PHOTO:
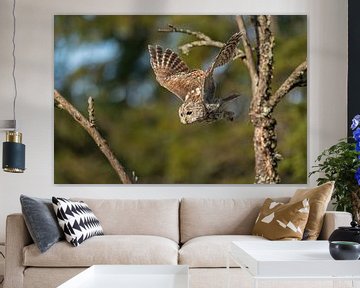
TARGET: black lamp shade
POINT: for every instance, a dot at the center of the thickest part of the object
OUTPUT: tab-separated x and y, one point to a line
13	157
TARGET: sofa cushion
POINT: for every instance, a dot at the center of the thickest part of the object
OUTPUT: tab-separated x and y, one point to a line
319	198
158	217
211	251
200	217
279	221
107	249
41	221
35	277
76	220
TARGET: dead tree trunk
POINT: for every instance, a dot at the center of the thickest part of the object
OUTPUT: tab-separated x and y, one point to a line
265	142
260	113
263	102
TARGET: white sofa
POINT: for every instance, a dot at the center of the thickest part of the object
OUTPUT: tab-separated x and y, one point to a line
194	232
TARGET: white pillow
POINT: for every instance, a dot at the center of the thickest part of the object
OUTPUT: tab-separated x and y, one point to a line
76	220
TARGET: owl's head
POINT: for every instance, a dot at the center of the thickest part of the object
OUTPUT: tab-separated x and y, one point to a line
190	112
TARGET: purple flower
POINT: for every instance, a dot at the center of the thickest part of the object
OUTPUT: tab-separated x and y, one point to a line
355	122
356	134
357	147
357	176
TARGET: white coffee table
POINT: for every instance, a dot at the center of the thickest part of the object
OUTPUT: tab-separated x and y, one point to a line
292	260
131	276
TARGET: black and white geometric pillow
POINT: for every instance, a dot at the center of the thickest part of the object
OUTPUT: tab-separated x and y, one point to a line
77	220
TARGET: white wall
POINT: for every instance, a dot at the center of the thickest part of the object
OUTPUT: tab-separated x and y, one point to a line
327	91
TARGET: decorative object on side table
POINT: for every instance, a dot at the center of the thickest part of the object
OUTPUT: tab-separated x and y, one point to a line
341	163
343	233
344	250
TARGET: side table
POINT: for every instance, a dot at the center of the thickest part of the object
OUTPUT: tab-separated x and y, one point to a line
293	264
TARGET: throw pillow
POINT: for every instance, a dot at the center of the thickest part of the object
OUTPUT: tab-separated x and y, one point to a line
319	198
41	222
279	221
77	220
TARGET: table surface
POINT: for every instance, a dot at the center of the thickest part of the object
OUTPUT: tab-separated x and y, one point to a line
291	259
131	276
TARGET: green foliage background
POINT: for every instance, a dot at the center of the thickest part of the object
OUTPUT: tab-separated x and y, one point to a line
106	57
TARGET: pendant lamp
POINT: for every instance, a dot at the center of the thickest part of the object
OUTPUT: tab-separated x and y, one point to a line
13	155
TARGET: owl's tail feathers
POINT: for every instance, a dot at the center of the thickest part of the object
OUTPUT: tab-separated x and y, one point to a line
227	52
231	97
166	61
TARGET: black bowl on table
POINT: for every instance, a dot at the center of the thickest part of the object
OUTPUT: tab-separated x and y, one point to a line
344	250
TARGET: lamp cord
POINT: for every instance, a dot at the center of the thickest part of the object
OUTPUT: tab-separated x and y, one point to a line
14	59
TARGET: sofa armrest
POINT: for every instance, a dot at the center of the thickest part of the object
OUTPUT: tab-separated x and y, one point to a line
17	237
333	220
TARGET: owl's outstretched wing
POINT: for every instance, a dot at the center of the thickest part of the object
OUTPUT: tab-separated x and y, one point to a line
226	53
224	56
172	73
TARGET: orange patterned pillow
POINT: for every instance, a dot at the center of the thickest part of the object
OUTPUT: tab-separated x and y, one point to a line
279	221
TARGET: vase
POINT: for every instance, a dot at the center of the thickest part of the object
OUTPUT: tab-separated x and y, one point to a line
344	250
345	233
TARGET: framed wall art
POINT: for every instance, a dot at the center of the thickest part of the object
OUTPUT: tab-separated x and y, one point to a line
180	99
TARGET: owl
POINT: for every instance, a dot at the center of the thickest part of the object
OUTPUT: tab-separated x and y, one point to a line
195	88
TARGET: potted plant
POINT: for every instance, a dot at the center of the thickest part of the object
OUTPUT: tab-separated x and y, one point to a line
341	163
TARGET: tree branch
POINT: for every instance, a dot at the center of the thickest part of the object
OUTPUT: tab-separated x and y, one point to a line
197	34
63	104
204	40
248	52
297	78
185	49
91	111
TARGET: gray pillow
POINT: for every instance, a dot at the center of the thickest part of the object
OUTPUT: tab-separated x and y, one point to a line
41	221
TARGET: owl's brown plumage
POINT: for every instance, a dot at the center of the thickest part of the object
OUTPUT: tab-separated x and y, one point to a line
196	88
